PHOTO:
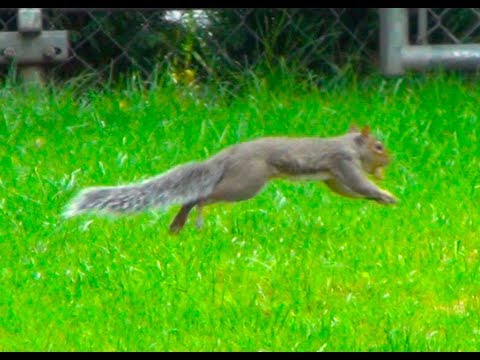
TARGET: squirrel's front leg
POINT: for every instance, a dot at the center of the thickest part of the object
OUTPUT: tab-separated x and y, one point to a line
349	180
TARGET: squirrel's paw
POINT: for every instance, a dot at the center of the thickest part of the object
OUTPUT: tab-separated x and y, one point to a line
387	198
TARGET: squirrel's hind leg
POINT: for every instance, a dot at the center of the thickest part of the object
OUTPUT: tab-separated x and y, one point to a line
199	220
181	218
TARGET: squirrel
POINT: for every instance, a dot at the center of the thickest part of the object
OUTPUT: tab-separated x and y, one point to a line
240	171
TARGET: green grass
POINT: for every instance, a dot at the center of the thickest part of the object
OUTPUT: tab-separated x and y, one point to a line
295	269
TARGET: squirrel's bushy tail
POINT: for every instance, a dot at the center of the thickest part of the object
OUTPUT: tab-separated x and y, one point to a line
182	184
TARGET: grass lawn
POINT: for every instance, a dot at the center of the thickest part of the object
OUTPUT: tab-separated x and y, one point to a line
297	268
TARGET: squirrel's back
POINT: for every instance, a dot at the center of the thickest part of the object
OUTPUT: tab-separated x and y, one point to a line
290	155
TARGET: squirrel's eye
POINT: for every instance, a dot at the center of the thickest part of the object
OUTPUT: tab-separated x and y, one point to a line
378	147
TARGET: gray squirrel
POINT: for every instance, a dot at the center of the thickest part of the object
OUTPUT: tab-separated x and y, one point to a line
240	171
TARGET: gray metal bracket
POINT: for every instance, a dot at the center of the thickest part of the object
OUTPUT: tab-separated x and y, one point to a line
397	55
30	47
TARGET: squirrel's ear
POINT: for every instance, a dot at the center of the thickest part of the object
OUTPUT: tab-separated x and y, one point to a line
353	128
366	130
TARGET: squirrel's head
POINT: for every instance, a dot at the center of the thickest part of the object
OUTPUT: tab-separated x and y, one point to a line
373	154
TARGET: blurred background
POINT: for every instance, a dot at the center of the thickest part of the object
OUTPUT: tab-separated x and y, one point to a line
222	44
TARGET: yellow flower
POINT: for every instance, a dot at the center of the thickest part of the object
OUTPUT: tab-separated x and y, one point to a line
185	77
122	104
189	76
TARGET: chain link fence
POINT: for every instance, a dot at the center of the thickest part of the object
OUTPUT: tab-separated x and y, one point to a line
206	44
196	45
452	26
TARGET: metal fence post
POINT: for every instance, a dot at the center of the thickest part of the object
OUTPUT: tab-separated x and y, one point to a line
422	25
31	48
393	38
29	25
